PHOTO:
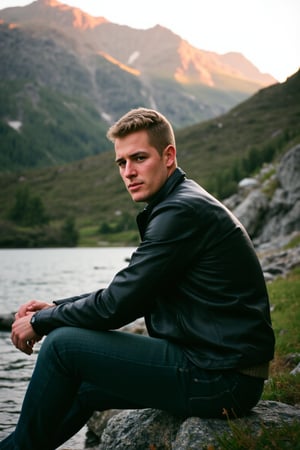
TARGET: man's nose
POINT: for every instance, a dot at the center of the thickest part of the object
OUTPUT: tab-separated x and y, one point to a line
130	170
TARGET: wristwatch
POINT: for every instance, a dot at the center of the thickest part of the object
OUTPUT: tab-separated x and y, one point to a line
33	320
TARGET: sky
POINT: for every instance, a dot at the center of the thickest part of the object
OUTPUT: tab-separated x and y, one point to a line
266	32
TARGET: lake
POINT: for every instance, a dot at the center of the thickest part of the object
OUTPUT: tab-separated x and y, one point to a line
44	274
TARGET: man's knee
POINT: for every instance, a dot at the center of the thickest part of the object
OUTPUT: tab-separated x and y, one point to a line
56	340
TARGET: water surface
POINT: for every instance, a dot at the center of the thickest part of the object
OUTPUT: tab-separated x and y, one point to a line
44	274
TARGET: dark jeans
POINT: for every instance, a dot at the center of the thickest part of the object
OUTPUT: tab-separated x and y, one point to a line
79	371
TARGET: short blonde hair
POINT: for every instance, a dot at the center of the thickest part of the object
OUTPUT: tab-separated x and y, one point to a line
159	130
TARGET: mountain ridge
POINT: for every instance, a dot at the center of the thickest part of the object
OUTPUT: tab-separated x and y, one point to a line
44	11
65	76
37	9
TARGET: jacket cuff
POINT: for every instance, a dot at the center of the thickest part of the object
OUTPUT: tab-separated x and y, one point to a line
41	320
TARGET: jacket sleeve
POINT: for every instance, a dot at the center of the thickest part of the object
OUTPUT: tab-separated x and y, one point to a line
165	250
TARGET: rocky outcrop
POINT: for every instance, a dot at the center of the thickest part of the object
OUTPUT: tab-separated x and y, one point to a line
153	429
269	205
283	215
252	210
269	208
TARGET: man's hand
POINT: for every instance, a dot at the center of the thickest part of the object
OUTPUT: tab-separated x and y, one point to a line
23	335
32	306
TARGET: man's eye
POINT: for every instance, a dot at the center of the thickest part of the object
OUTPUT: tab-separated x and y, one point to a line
140	158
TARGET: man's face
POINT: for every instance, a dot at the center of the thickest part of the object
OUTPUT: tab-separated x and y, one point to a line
143	170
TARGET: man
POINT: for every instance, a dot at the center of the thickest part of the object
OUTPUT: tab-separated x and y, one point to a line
194	277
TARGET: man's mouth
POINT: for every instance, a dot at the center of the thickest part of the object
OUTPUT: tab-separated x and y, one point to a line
134	186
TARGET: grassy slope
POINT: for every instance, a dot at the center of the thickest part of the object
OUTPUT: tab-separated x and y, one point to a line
269	118
59	129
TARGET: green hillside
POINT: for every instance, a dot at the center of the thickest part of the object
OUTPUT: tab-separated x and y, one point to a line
220	152
216	153
51	133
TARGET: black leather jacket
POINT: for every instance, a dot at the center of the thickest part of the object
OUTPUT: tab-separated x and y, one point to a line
195	278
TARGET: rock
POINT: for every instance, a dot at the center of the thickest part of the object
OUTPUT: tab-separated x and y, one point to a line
248	183
288	174
252	211
278	263
153	429
283	215
296	370
98	422
140	429
270	207
6	321
281	220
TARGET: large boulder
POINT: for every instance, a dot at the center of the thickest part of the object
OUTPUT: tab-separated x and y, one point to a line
153	429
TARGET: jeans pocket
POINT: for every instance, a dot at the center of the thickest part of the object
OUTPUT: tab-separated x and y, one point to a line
212	394
207	392
222	394
245	393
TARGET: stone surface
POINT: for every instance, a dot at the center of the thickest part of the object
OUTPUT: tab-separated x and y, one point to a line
270	208
252	211
156	430
140	429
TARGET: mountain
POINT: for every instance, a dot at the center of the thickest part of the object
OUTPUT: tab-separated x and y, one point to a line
65	76
217	153
139	50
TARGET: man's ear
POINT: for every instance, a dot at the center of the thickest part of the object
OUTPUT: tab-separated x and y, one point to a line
170	155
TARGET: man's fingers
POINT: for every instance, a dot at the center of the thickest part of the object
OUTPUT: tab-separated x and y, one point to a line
23	335
23	310
24	346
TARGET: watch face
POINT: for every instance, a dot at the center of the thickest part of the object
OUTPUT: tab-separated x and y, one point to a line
32	320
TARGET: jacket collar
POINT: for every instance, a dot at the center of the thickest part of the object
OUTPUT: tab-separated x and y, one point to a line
177	177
